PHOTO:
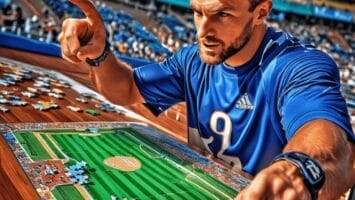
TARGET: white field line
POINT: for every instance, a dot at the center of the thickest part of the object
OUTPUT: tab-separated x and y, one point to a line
182	168
199	186
45	146
144	151
56	146
142	143
84	193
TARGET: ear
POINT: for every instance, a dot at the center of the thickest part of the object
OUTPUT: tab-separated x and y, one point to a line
262	11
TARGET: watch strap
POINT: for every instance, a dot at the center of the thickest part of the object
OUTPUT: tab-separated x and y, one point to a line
96	62
311	170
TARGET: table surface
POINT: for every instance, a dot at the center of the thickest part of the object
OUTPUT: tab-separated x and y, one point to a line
14	183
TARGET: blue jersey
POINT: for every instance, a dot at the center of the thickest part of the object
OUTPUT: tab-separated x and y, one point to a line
245	115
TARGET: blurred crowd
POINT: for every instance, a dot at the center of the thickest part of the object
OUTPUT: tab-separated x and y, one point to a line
174	29
38	26
339	43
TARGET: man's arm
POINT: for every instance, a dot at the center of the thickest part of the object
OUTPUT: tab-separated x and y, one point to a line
114	79
321	140
85	38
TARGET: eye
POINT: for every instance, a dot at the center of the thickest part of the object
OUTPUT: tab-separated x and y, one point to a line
223	14
197	14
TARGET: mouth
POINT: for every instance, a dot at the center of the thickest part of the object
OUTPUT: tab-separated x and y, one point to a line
210	46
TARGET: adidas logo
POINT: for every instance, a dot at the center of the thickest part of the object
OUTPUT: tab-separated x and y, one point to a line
244	102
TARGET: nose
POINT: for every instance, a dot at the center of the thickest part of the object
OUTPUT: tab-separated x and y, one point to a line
205	27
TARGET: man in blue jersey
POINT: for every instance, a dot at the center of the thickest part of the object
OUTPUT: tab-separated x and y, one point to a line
258	99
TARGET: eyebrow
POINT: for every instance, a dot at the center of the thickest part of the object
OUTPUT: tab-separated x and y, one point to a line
214	10
223	8
193	7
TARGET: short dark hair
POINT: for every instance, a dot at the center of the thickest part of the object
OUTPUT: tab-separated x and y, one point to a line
254	4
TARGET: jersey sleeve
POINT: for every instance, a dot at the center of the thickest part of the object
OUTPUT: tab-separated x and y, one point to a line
161	84
311	90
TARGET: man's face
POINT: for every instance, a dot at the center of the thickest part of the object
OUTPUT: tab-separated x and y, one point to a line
224	27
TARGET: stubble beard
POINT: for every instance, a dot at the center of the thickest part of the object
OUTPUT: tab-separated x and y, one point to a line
232	49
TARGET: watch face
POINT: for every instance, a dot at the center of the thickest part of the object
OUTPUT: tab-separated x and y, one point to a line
314	173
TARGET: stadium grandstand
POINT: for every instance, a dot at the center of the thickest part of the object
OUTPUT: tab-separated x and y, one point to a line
144	31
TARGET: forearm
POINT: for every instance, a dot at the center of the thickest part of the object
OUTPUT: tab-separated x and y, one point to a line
114	80
83	39
326	143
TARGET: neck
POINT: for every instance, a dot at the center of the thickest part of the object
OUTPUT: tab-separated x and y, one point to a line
249	50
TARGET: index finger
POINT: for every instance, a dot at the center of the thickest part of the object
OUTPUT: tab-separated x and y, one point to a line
88	9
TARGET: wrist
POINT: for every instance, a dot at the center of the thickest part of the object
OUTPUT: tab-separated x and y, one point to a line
289	168
96	62
309	169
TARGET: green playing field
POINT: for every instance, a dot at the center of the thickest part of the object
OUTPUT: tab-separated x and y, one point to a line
161	175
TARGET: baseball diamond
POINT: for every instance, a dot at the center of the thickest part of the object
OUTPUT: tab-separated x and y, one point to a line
123	163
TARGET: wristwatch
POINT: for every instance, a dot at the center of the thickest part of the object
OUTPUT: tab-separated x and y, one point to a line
96	62
312	172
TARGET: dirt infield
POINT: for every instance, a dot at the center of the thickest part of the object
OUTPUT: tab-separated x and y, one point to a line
123	163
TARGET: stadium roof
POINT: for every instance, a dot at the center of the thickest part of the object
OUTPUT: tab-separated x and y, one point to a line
279	4
335	11
181	3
